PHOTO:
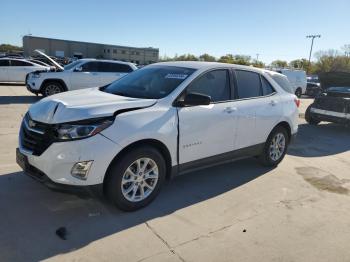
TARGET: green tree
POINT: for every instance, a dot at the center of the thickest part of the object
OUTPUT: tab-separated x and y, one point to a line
187	57
279	63
227	59
242	60
258	64
331	61
7	48
299	63
207	58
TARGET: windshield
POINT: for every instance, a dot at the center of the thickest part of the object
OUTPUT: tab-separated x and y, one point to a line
150	82
71	65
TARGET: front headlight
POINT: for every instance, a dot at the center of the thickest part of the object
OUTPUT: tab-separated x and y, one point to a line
35	75
79	131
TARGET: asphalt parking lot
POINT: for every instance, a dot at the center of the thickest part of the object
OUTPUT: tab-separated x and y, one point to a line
240	211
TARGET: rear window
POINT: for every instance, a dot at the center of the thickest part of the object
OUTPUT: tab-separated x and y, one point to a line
283	82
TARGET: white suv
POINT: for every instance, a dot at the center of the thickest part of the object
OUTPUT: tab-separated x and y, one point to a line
157	122
83	73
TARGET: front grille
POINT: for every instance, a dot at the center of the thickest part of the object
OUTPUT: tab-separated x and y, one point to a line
36	136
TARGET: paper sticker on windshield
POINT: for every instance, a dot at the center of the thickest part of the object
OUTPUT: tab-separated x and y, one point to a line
176	76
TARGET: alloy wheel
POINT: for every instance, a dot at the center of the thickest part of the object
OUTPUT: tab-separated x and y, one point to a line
52	89
139	179
277	146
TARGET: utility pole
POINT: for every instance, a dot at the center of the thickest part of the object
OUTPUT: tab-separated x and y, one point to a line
257	57
312	44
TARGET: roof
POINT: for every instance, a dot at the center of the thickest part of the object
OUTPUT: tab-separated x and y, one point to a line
207	65
104	60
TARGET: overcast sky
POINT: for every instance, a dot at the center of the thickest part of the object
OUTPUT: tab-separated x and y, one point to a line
273	29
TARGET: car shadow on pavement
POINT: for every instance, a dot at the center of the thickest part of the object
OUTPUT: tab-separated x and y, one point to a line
31	213
5	100
320	140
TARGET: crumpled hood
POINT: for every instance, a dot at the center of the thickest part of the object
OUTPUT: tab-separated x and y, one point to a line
83	104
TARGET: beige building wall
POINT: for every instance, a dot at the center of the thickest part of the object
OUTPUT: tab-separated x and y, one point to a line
66	48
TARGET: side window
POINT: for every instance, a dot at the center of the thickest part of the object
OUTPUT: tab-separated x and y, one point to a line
248	84
114	67
266	87
20	63
4	62
122	68
215	84
90	67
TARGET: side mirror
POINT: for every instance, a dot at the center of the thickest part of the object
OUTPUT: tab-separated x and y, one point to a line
195	99
78	69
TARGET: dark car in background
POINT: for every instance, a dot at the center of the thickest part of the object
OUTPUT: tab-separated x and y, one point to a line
313	89
333	105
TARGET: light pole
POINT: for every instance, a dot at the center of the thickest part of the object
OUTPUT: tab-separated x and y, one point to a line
312	44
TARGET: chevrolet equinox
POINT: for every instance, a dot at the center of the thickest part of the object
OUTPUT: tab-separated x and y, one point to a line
154	123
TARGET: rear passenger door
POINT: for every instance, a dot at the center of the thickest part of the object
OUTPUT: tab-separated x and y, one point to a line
258	108
111	71
4	66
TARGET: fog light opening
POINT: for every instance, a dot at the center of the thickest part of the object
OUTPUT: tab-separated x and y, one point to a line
80	170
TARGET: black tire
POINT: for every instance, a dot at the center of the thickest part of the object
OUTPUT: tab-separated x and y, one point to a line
113	183
298	92
265	157
309	118
51	88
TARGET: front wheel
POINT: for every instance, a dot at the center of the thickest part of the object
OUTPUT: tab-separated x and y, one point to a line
136	179
51	88
275	147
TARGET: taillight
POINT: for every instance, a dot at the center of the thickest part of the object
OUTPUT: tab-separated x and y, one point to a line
297	102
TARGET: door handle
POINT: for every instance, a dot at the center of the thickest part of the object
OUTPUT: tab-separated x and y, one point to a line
229	109
273	102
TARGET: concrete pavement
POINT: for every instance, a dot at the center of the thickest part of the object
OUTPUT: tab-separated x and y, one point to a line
240	211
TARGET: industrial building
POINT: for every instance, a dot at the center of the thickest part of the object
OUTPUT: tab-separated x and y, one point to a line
68	48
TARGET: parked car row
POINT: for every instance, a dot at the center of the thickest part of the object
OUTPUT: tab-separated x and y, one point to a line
41	78
165	119
14	70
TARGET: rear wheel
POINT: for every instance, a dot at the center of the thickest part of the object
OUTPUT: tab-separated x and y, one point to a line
136	179
309	118
52	88
275	147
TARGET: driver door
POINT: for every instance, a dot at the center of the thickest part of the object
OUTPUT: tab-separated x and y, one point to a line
206	131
